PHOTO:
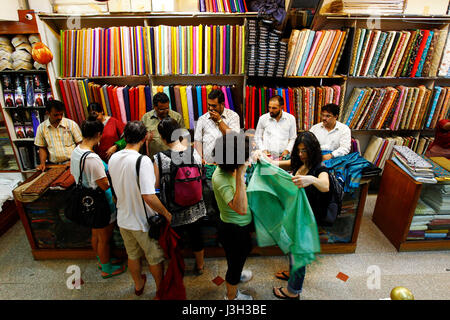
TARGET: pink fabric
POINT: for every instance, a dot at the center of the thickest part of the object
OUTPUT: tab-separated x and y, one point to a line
123	113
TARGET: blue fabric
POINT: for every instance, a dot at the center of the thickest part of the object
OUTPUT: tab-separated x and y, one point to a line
348	168
324	152
108	193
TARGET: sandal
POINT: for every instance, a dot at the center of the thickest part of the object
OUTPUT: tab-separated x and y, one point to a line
141	291
283	295
114	261
282	275
118	270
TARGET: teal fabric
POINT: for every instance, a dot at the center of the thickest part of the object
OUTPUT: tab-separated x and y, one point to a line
109	195
282	214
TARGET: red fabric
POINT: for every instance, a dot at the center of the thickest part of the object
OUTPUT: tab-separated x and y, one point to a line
111	133
442	137
172	286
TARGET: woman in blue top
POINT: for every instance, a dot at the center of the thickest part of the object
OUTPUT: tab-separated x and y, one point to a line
94	176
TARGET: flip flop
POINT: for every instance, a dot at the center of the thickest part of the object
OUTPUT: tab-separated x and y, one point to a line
282	275
284	296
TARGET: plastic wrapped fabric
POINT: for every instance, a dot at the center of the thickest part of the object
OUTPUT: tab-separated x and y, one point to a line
282	214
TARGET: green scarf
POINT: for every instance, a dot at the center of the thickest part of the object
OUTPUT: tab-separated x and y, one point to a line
282	214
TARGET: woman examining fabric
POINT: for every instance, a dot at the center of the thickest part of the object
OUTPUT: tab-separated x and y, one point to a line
235	223
183	218
112	132
94	176
310	174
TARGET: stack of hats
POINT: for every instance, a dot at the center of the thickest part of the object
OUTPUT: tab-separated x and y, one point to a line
6	49
21	57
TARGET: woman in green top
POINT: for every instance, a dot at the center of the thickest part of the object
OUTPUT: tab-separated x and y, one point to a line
235	219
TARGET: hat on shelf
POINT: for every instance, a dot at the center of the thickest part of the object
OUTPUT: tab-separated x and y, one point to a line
33	38
6	48
38	66
19	39
21	55
24	46
5	64
20	64
4	41
5	55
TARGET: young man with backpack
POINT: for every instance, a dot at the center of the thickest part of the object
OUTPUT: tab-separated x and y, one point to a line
136	200
178	172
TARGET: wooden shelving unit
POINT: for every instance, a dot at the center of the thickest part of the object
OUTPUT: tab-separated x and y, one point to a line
395	207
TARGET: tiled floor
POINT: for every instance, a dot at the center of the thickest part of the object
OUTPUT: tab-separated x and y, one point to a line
426	274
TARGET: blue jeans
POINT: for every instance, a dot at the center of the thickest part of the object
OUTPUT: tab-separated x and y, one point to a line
296	278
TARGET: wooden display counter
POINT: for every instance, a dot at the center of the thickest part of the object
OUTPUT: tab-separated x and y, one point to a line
395	207
52	236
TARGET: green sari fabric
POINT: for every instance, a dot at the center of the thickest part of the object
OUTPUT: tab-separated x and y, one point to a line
282	214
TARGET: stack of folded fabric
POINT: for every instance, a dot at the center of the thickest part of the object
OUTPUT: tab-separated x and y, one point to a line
6	49
437	197
40	185
21	57
414	165
64	181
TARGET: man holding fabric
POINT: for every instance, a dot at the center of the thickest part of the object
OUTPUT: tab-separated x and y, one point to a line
276	130
213	125
151	119
335	137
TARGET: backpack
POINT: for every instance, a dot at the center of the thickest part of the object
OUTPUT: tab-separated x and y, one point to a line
182	183
335	205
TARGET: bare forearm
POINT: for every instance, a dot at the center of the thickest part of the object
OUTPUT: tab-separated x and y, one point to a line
240	197
154	203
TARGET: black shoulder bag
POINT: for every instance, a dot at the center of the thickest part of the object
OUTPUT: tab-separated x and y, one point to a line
156	221
87	206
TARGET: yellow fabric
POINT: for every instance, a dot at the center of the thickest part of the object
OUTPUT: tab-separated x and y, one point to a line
184	106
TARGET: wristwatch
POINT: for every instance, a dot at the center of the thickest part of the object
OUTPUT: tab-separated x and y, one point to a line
218	122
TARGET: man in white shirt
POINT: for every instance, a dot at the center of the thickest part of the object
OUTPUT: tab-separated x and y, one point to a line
131	214
334	137
213	125
276	130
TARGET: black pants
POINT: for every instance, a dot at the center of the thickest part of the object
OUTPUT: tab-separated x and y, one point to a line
237	244
194	233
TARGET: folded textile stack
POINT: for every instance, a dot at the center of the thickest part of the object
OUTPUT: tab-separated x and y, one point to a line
63	182
267	53
440	173
431	219
6	49
414	165
41	185
437	197
7	185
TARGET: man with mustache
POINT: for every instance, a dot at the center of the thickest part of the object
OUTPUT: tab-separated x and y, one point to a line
276	130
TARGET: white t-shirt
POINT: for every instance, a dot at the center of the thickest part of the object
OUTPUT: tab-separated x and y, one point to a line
93	167
130	209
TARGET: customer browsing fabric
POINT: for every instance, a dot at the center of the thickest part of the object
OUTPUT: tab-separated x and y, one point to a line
231	153
111	133
334	137
94	176
309	174
170	165
131	199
